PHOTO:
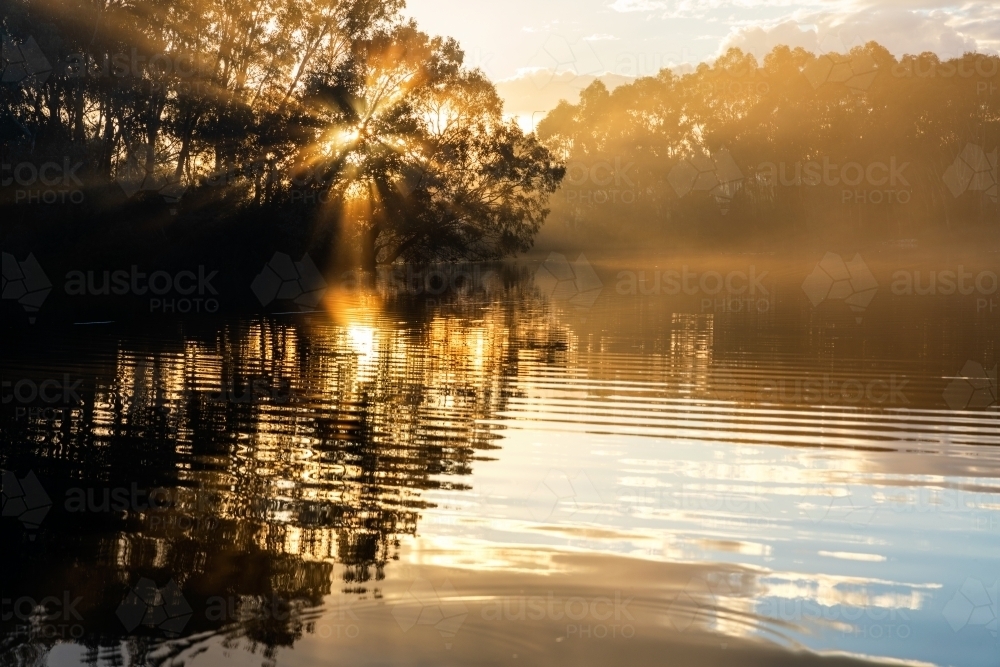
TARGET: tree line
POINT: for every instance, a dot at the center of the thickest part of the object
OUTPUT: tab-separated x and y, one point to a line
796	144
337	117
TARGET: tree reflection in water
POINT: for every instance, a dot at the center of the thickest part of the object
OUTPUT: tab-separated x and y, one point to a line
260	464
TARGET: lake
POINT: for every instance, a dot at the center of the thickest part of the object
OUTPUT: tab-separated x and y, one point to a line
711	460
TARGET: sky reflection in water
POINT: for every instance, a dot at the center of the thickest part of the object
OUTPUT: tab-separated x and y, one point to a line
536	472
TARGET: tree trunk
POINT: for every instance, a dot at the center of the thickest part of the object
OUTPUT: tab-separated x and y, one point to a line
108	142
79	134
369	259
182	158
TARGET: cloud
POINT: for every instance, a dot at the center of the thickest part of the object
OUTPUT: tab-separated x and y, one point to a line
601	38
625	6
541	88
947	27
899	30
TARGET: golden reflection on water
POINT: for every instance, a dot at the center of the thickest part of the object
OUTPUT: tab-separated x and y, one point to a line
497	445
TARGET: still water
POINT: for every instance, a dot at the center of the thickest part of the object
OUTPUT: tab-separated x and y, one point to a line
558	462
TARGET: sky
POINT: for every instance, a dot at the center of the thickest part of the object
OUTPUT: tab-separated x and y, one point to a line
540	51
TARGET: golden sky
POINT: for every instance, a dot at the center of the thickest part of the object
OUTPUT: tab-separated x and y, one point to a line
544	50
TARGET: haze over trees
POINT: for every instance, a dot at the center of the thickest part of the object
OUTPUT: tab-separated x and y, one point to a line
798	144
341	126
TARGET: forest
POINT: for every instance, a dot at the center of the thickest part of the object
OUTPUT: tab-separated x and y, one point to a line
330	123
798	146
338	127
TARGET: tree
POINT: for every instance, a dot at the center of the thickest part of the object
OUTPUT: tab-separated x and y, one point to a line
865	108
417	157
238	100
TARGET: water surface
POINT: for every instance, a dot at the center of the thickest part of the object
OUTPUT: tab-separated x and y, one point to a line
555	464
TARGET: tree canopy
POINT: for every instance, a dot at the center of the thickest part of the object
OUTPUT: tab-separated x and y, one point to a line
338	110
740	147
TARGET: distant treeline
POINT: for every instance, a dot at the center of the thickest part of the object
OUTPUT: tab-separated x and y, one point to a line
798	145
319	121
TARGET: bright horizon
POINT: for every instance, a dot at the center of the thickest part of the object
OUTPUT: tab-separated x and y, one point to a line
539	53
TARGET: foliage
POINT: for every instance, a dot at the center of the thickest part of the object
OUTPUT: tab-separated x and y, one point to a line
792	109
336	109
